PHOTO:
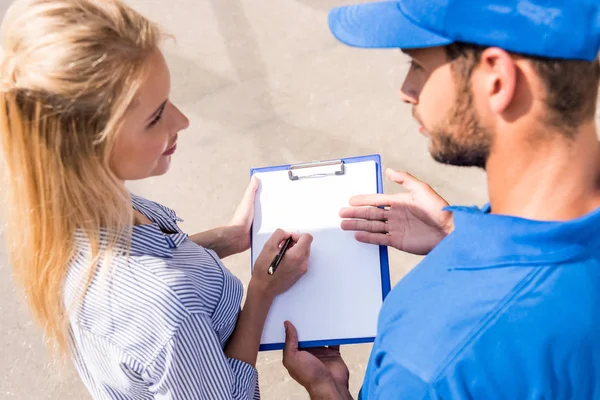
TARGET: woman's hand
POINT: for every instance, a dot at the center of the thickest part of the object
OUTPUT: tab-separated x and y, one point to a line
244	343
414	222
242	219
293	266
235	237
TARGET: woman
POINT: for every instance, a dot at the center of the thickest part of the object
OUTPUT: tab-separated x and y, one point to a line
145	311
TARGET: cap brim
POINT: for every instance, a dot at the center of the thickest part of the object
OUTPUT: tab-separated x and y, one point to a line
380	25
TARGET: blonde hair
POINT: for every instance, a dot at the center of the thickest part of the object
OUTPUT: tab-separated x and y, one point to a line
69	70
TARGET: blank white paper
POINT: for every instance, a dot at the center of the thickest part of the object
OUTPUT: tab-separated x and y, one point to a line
341	294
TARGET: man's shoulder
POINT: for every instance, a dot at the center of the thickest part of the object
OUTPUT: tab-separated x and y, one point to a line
448	325
433	312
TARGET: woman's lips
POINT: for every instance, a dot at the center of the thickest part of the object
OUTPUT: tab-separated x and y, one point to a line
170	150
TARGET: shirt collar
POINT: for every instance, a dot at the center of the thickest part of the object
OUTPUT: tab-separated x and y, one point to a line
150	239
483	239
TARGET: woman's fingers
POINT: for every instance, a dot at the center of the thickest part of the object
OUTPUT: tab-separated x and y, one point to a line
244	213
277	239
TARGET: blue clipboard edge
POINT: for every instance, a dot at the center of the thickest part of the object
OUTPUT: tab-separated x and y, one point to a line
317	343
383	256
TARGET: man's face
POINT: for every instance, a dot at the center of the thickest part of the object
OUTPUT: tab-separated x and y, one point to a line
443	105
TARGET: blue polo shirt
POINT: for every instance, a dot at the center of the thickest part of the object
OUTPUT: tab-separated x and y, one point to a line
502	308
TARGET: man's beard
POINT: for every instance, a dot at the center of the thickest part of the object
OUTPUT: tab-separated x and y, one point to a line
460	139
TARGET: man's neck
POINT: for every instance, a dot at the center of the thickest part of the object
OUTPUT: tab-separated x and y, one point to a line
554	179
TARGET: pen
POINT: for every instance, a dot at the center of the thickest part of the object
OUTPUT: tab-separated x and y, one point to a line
278	257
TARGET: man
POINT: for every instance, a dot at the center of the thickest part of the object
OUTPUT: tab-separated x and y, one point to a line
507	305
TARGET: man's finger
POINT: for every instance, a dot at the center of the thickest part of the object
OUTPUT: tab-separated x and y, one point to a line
375	200
321	352
291	339
380	239
370	213
405	179
366	226
381	200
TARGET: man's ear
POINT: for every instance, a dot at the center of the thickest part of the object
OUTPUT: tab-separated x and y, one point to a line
499	78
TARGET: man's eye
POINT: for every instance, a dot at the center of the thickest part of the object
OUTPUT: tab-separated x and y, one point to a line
415	66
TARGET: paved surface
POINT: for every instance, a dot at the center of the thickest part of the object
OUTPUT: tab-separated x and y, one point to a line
263	82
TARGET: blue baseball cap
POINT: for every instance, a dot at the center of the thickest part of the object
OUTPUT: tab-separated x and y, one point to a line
567	29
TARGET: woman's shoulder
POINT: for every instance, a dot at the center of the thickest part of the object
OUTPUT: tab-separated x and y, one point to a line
151	291
141	203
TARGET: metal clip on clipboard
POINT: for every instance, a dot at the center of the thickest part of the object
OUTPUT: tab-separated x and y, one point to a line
317	169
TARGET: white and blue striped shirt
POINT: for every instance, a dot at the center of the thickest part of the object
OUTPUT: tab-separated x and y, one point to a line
155	325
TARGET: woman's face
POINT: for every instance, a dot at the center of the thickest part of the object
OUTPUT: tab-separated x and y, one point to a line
148	135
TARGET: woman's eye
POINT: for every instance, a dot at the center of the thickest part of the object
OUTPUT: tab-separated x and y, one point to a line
155	120
158	116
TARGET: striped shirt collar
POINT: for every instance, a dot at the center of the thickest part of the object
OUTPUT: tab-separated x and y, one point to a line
161	236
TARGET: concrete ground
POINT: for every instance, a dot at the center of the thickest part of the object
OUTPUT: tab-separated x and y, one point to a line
262	82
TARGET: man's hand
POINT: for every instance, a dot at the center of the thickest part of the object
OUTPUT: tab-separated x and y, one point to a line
235	237
413	222
320	370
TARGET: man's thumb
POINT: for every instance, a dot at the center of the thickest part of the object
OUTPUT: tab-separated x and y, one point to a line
291	337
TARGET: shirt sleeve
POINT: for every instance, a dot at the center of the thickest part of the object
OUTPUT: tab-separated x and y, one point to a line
392	380
193	366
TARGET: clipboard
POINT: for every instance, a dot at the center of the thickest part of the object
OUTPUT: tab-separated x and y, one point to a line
306	198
